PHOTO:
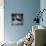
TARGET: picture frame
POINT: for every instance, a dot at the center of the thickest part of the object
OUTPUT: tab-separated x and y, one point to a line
17	18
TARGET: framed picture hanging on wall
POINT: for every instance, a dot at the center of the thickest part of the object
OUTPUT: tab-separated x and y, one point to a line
17	18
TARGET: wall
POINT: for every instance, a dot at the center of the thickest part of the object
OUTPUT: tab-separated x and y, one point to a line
1	20
43	6
28	8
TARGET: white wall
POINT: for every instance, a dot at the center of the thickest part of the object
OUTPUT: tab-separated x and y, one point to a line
1	20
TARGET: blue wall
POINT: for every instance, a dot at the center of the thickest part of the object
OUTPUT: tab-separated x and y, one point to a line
43	6
28	8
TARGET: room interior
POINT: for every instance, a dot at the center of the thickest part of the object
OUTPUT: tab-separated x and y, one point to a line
22	23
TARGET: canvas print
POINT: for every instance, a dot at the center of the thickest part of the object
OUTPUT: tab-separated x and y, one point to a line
17	18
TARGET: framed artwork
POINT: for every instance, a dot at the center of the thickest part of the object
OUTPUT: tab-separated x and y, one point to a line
17	18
